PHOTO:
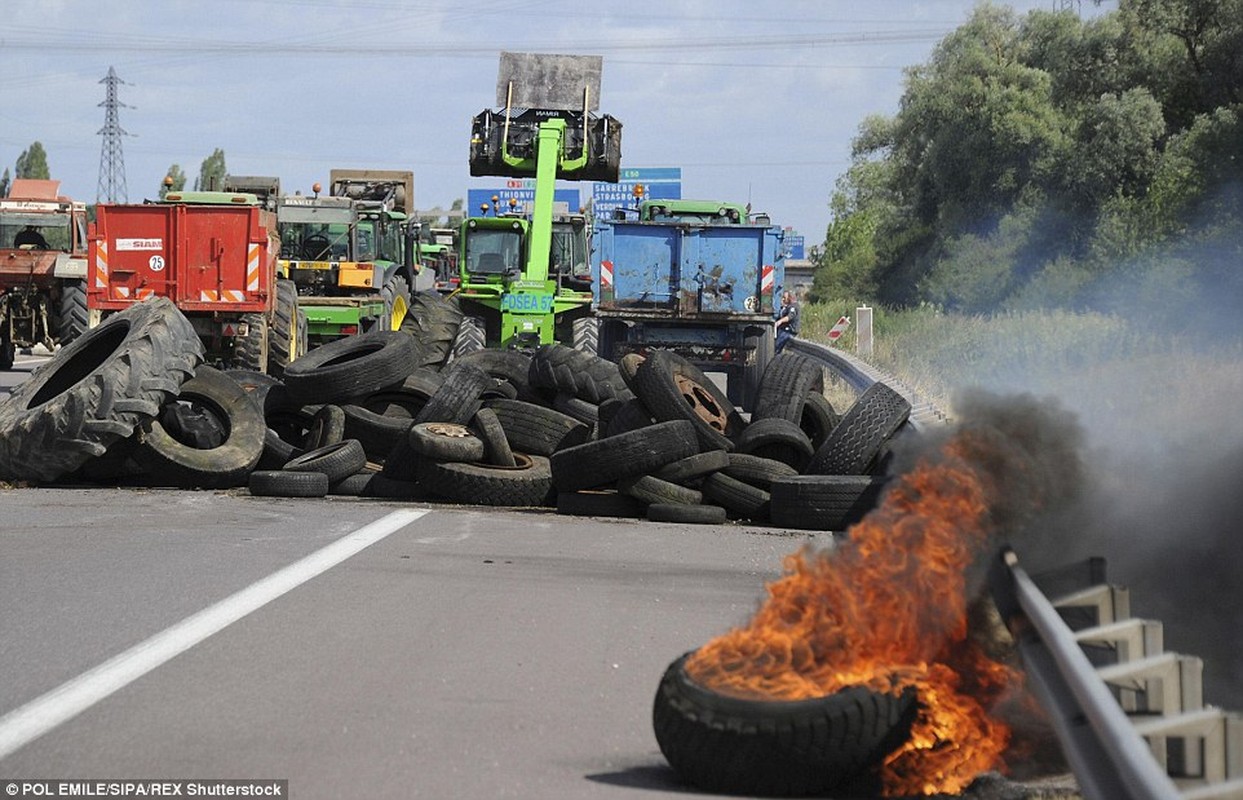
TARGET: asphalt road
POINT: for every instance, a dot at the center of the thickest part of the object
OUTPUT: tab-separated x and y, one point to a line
466	653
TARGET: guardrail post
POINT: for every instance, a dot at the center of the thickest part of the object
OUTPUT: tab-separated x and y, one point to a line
863	334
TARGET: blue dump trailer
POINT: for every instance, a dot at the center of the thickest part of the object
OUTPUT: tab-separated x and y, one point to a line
703	285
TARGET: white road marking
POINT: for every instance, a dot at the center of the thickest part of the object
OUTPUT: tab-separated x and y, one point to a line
27	723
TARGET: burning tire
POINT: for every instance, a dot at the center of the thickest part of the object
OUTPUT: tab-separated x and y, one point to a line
673	388
773	747
172	456
350	367
96	391
852	447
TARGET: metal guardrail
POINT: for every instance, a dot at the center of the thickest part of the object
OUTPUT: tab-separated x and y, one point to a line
1135	729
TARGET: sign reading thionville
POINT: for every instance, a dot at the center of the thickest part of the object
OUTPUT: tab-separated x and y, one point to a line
659	183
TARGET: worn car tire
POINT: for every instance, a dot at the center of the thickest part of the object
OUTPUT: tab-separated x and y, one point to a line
335	460
757	470
96	391
823	502
776	438
649	490
527	484
694	467
601	462
536	429
282	483
445	441
818	418
599	503
691	514
375	432
784	387
351	367
496	450
855	442
720	743
741	500
457	399
173	459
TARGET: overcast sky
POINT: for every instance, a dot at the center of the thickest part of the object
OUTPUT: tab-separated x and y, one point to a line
754	101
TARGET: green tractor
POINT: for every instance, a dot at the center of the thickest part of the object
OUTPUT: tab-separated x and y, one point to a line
525	277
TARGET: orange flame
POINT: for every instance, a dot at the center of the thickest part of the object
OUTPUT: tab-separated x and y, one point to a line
887	610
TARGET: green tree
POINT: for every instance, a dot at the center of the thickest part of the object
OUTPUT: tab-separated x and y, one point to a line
212	172
32	163
5	180
174	180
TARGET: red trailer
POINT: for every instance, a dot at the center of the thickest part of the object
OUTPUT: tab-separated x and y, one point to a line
214	255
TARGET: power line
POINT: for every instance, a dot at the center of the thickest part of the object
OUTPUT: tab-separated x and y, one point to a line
111	158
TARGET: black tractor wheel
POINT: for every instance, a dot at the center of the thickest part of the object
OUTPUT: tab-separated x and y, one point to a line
96	391
470	337
251	351
559	368
283	335
396	295
432	322
776	748
72	318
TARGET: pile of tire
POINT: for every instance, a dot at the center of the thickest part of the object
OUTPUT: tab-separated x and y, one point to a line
414	414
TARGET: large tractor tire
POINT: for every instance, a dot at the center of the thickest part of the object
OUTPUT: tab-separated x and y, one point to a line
72	318
396	294
96	391
251	351
283	334
433	322
470	337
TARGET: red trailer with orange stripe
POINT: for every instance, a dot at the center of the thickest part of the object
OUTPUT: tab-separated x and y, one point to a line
214	255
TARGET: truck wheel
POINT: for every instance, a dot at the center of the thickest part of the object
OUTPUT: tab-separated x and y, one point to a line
469	339
72	317
585	335
396	294
527	484
673	388
251	351
283	339
788	748
173	457
96	391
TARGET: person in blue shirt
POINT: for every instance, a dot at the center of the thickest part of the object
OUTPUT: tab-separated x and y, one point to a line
787	320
